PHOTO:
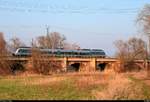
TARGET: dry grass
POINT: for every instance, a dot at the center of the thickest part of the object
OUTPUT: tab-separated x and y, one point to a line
120	87
93	85
139	75
89	81
44	81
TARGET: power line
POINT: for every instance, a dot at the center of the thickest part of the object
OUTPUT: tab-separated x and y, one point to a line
56	27
35	7
50	4
69	11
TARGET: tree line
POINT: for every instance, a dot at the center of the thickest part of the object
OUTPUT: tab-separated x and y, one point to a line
53	40
127	51
136	48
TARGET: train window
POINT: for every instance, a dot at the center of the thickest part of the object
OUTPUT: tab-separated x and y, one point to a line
98	53
20	51
24	51
69	53
74	53
55	52
49	52
62	53
84	53
93	53
44	52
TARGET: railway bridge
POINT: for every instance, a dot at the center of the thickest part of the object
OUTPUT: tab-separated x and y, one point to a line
80	63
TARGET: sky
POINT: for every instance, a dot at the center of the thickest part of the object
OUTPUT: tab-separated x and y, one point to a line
89	23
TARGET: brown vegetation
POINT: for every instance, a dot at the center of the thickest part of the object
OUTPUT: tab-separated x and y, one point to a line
15	43
55	40
90	81
70	46
4	65
144	20
52	40
128	51
43	64
40	63
120	87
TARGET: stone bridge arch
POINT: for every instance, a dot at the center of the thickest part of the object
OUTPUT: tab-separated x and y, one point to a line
18	66
79	66
74	66
102	66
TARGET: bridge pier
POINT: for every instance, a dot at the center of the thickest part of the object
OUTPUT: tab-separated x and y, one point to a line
92	64
65	63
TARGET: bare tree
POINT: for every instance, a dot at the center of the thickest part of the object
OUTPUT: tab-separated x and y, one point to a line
15	42
144	20
122	52
128	51
2	44
4	64
70	46
42	64
42	41
33	43
75	46
53	40
137	48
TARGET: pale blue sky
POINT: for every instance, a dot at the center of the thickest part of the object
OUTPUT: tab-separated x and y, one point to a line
89	23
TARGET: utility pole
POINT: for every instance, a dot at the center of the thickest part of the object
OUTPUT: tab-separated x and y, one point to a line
47	35
47	30
32	43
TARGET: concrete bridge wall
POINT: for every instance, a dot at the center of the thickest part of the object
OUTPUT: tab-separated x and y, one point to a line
84	64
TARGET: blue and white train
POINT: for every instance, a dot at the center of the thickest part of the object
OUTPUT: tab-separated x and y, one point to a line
27	51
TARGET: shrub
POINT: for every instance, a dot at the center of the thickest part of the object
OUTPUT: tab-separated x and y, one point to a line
42	64
5	66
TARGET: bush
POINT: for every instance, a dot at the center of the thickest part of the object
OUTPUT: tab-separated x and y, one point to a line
5	66
42	64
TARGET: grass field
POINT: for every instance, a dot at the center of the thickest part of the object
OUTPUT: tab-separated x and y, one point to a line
73	86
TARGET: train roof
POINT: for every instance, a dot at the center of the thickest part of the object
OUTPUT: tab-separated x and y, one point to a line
64	50
85	49
92	49
97	49
23	47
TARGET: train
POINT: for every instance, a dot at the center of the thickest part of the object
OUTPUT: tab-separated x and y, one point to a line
27	51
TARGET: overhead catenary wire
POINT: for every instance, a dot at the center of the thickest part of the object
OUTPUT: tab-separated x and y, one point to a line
96	11
51	7
68	29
